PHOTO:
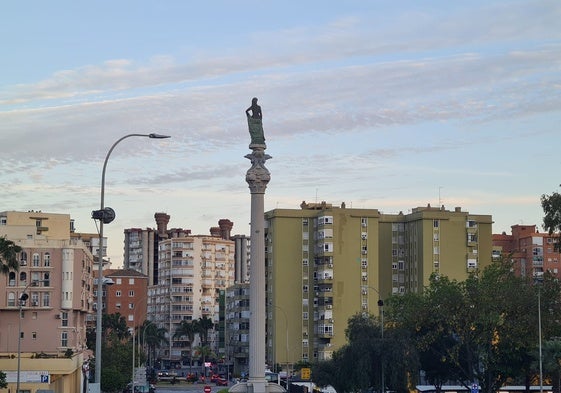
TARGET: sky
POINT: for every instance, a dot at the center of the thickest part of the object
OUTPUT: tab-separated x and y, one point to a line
388	105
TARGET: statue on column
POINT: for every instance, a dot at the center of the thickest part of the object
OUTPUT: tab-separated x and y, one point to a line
255	123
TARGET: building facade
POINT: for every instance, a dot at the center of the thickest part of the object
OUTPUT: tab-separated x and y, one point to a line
531	252
127	295
49	325
325	264
236	316
192	271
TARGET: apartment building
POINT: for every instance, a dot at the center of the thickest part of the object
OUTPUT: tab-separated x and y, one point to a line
532	252
44	305
127	295
325	264
192	270
236	315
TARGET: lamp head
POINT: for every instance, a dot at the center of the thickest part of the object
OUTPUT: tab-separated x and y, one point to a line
158	136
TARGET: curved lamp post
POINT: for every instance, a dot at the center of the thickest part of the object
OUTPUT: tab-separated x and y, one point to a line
23	297
105	216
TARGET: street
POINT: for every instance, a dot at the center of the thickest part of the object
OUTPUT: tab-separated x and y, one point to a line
195	388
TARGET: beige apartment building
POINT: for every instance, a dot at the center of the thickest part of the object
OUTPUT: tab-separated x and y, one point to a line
48	338
326	263
192	270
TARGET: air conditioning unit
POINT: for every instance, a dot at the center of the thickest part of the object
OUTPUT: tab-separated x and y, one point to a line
364	292
34	304
364	278
305	334
57	316
330	265
329	306
330	320
363	236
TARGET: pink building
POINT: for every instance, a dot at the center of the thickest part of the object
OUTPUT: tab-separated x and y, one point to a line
55	279
532	252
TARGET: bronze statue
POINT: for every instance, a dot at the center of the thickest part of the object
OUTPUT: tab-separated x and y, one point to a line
255	123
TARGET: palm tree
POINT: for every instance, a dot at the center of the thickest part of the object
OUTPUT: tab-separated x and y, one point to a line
204	351
153	336
8	255
204	324
187	329
115	324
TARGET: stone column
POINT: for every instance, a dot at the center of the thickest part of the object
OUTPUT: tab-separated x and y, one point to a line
257	177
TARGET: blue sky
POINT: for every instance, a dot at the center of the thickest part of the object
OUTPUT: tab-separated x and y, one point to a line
378	104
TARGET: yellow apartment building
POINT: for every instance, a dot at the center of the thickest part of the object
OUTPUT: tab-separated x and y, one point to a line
326	263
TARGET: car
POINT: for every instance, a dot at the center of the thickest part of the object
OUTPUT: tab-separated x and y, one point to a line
221	381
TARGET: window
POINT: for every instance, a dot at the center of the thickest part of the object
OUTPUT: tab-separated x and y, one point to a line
47	259
46	299
64	339
12	279
118	293
64	318
305	315
435	223
36	260
131	306
11	299
118	281
34	335
131	293
3	220
131	281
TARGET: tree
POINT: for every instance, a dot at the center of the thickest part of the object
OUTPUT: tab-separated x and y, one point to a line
552	361
3	383
115	324
8	255
204	352
204	324
551	205
153	336
187	329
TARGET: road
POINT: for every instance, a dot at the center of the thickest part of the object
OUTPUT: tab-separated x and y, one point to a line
195	388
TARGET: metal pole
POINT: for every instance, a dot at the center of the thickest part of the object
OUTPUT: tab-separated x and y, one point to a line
22	299
100	256
540	337
19	345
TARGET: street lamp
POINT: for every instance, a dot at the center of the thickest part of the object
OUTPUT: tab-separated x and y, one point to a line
105	216
540	334
23	297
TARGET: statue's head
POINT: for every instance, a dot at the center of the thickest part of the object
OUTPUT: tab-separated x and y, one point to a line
254	101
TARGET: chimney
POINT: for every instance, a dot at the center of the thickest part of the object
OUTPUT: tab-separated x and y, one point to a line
215	231
162	220
225	228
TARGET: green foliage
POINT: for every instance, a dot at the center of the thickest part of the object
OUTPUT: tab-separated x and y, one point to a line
202	326
483	329
3	383
551	205
8	256
116	360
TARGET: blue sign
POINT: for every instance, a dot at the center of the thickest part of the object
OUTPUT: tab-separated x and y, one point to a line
44	378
